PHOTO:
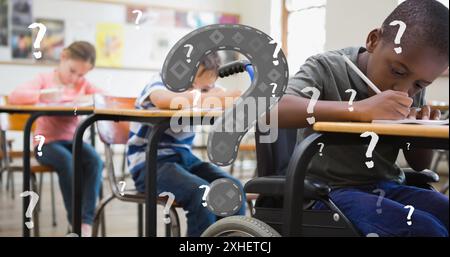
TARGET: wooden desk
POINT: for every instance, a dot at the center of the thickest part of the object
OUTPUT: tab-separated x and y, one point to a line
44	108
161	122
347	133
409	130
157	113
35	112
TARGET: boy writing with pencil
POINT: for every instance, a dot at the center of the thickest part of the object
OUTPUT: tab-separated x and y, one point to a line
397	83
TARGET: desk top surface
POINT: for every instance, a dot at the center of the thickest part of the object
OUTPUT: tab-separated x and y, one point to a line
409	130
159	113
36	108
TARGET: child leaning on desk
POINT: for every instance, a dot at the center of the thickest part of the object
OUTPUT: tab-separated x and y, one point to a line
179	170
65	84
402	79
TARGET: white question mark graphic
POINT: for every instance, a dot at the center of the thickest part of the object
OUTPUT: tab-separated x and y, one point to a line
122	187
321	147
372	144
34	198
39	37
138	17
380	198
352	97
398	37
274	88
205	194
197	95
169	202
276	51
408	144
411	210
188	55
41	143
312	103
75	111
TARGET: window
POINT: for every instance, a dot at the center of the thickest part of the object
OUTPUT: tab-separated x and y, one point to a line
305	30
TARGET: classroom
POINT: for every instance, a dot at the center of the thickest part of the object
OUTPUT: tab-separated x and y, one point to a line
224	118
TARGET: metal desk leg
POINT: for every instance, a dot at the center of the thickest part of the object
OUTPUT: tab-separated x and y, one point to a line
27	168
77	177
151	158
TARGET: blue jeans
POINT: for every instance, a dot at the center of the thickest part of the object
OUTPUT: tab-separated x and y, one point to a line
182	174
58	155
359	204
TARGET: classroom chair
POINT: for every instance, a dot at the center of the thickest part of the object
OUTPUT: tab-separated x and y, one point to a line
116	134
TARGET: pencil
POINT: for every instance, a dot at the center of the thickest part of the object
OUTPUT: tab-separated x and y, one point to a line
361	75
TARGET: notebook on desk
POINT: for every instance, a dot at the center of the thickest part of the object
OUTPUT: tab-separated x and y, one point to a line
412	121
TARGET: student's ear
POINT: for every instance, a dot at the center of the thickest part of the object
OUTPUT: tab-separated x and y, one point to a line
373	39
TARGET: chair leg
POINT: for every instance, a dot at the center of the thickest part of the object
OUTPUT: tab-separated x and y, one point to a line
98	213
41	178
175	228
103	220
241	165
11	183
232	168
251	208
444	189
2	170
436	161
168	226
13	193
35	213
52	195
140	220
124	163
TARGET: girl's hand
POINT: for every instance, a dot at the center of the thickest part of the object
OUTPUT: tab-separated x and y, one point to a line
424	113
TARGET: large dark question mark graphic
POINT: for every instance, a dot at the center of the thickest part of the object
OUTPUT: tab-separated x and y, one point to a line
268	86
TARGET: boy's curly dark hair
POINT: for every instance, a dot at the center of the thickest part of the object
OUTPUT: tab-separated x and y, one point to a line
427	24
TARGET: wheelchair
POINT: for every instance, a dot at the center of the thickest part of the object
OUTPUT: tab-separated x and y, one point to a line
284	205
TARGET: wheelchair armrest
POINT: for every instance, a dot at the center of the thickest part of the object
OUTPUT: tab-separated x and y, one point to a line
319	188
414	178
275	185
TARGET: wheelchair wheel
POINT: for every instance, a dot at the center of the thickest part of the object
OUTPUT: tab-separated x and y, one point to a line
240	226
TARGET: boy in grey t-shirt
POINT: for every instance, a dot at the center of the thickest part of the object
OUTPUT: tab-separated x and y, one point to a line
402	78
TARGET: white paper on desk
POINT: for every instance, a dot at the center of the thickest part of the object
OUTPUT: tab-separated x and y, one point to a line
69	104
412	121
